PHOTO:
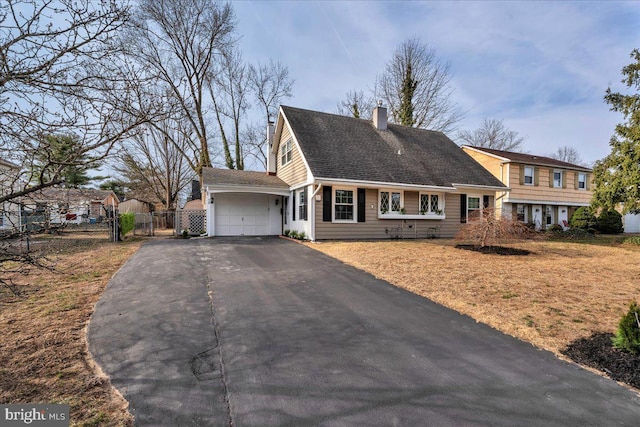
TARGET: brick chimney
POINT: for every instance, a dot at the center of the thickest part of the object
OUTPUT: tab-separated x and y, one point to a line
380	117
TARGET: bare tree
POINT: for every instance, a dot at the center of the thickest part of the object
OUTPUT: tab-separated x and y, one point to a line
493	134
152	167
356	104
270	84
416	88
62	76
569	155
229	81
179	43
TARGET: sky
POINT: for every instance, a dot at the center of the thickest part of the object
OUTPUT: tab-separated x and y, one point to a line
541	67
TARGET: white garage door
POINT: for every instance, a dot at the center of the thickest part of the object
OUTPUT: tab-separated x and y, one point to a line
242	215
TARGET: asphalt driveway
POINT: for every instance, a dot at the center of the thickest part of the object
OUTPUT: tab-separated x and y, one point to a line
266	332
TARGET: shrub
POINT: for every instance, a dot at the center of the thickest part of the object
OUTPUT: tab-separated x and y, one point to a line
302	235
127	222
555	229
293	234
583	218
610	222
575	234
492	229
634	240
628	334
286	233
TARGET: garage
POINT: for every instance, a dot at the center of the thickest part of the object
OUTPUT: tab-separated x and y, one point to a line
243	203
242	215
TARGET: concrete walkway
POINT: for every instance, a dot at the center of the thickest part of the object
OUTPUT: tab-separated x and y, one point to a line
266	332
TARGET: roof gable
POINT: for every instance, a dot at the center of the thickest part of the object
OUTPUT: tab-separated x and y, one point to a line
529	159
346	148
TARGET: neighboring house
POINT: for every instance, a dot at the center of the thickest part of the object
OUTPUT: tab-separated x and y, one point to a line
72	204
337	177
9	182
544	191
195	204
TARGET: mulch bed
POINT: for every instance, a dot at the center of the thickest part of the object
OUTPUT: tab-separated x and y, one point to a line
598	352
496	250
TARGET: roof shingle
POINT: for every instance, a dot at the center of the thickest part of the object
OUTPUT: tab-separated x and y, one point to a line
214	176
531	159
346	148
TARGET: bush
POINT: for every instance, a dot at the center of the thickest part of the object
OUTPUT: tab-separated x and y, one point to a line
628	334
575	234
610	222
583	218
302	235
127	222
286	233
293	234
555	229
634	240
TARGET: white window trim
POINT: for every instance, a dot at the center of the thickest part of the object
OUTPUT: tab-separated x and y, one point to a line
384	190
533	175
555	171
526	212
584	181
355	205
480	207
286	151
301	203
440	203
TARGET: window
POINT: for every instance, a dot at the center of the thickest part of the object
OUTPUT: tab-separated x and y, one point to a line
548	215
285	152
473	207
528	175
557	179
390	202
582	181
302	205
430	204
521	213
343	206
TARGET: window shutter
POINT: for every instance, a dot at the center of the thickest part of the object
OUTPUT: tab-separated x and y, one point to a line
575	180
306	203
521	174
536	176
551	178
362	207
587	183
463	208
294	207
564	179
327	193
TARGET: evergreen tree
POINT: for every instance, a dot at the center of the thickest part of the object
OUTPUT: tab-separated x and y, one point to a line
58	156
617	176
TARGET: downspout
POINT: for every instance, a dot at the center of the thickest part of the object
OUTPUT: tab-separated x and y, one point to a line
313	213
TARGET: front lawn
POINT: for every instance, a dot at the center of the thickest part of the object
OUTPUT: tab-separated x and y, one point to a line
559	293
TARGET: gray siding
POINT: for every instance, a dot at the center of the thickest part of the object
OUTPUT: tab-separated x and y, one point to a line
374	228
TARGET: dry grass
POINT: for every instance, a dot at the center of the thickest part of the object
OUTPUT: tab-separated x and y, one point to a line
561	292
43	351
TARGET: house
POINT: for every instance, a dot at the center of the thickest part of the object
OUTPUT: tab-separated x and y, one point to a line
544	191
336	177
74	205
9	182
